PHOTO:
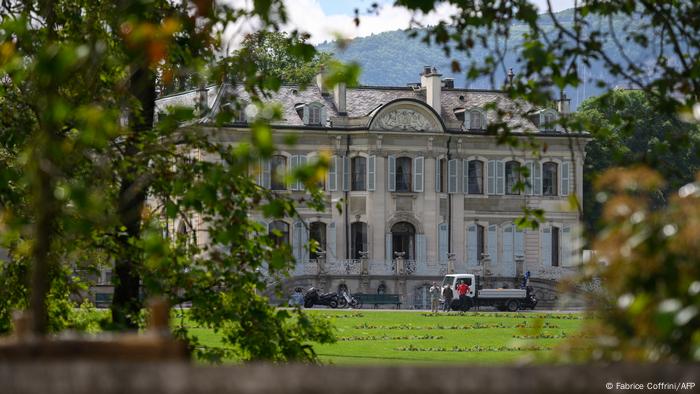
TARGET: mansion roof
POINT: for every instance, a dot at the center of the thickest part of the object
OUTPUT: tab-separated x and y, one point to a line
362	104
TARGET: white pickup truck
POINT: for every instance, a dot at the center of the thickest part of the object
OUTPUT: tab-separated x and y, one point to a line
502	299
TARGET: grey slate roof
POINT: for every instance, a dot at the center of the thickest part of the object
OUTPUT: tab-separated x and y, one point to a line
361	101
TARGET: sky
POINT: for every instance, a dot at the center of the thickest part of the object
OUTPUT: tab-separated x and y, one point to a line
325	20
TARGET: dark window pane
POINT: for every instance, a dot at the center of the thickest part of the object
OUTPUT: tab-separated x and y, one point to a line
555	246
279	168
359	173
476	177
403	240
512	176
549	179
403	174
317	232
281	236
358	239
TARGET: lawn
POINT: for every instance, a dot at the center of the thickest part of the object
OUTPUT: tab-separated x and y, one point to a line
395	337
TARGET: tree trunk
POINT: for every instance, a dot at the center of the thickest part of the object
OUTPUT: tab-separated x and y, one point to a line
127	303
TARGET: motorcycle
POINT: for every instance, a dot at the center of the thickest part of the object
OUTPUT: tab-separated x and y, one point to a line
347	300
312	297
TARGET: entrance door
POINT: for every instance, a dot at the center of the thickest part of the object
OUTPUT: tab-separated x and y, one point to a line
403	236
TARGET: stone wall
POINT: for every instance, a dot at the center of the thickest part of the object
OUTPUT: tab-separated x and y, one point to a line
82	377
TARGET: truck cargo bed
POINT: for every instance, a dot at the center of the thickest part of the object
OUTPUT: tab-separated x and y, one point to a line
502	293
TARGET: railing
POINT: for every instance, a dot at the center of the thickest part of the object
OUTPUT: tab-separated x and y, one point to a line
344	267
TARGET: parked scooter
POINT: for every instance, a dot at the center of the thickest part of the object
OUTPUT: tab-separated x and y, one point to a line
347	300
313	297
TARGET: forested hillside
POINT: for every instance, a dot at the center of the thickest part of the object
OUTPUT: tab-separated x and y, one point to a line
394	58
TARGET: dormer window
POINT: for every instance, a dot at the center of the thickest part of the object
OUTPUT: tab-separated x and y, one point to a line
475	119
548	120
314	114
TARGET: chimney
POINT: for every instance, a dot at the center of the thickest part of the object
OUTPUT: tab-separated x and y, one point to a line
448	83
431	82
339	98
319	80
564	103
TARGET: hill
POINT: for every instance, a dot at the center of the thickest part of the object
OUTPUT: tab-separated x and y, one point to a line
396	59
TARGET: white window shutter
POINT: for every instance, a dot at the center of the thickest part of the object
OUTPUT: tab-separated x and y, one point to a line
438	173
531	178
301	163
421	248
333	174
492	176
546	246
500	177
297	243
371	173
566	245
346	173
442	242
452	179
537	184
467	120
508	256
306	114
392	173
472	258
388	248
519	241
294	162
493	244
418	170
267	174
324	116
330	249
564	178
465	176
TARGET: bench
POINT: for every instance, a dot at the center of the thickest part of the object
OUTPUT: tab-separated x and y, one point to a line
379	299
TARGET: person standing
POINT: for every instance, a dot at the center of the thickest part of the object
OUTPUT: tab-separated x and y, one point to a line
434	297
447	295
462	289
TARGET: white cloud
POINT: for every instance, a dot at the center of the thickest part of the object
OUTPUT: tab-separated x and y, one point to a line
308	16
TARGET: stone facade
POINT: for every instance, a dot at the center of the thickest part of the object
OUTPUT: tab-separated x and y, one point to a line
425	189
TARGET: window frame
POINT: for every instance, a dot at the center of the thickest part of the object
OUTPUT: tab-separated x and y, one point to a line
408	177
509	177
358	177
554	178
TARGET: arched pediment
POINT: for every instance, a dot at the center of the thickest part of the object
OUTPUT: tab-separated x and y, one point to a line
406	115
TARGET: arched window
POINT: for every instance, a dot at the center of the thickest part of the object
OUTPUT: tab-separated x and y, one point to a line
549	119
358	239
476	177
403	174
314	114
403	240
279	232
549	179
512	176
279	169
317	232
359	174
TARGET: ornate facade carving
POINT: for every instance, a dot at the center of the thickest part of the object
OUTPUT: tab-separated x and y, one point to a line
404	119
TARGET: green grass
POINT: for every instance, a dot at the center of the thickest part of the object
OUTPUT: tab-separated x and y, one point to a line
389	337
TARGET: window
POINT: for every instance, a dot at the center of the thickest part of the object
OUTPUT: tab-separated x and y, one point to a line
279	232
549	179
403	174
403	236
314	114
359	173
317	232
476	177
279	168
555	247
476	121
549	120
512	177
442	176
479	243
358	239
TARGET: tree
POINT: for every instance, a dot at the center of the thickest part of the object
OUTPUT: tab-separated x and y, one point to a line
85	184
627	129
